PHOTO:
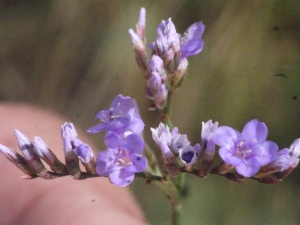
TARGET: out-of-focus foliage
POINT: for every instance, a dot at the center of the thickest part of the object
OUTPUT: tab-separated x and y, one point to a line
75	56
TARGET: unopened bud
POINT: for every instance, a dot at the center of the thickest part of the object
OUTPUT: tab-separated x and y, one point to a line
16	159
42	150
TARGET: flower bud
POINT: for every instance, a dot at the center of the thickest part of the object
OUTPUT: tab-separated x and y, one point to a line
16	159
42	150
69	135
86	156
32	159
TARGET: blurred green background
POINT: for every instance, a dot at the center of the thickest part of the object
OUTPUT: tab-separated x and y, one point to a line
75	56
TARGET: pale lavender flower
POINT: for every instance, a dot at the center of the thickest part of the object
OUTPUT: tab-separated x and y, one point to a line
170	143
191	42
281	163
42	150
122	159
160	99
17	160
123	115
86	155
180	73
34	162
167	45
156	65
163	138
189	154
153	85
208	147
179	142
294	152
138	40
25	145
208	130
168	37
140	26
83	151
247	151
69	135
173	144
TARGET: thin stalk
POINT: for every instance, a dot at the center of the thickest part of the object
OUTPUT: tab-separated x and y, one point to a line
167	111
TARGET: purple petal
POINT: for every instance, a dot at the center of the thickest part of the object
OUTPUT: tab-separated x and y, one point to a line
134	143
136	125
105	162
255	131
97	128
84	152
104	115
225	137
191	43
139	164
264	153
228	156
112	140
121	177
249	168
121	106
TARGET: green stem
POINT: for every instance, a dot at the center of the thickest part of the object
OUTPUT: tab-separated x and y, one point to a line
167	111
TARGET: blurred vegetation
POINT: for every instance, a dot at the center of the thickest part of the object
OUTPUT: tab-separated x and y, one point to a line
75	56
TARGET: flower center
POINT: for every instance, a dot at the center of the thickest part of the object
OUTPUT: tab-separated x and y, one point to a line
242	150
113	110
124	158
188	156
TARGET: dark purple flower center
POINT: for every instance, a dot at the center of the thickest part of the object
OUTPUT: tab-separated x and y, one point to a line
188	156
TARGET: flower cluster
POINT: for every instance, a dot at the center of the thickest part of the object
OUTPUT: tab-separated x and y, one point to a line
249	153
167	68
123	157
30	163
174	145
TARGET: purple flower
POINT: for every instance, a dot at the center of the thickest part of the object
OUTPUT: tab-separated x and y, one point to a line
42	150
208	130
247	151
191	42
156	65
140	26
83	151
189	155
123	115
294	153
169	142
69	135
122	159
281	163
168	38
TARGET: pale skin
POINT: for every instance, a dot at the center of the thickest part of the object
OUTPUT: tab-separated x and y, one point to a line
63	200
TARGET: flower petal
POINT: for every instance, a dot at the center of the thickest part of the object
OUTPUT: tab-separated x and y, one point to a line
121	177
225	137
255	131
139	164
191	42
264	153
112	140
105	162
228	156
134	143
249	168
